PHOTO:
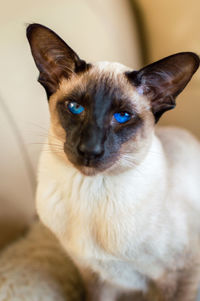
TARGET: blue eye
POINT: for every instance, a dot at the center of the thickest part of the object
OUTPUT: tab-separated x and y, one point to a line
75	108
122	117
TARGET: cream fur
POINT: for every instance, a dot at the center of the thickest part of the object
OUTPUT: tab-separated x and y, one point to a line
35	268
132	226
136	222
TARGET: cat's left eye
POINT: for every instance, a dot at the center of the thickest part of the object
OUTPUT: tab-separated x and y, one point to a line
122	117
75	108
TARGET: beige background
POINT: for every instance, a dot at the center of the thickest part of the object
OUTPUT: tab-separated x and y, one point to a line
174	26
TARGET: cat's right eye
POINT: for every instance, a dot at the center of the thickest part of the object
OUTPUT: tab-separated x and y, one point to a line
74	107
122	117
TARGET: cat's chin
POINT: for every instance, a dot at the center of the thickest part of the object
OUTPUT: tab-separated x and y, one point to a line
112	169
88	171
92	171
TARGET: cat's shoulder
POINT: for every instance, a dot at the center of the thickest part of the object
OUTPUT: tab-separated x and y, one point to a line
178	143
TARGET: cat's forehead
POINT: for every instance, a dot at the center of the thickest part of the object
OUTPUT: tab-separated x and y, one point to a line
109	67
99	76
102	80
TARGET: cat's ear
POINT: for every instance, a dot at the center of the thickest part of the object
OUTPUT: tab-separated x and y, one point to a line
53	57
163	80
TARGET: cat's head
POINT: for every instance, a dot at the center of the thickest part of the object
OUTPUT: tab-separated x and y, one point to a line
103	114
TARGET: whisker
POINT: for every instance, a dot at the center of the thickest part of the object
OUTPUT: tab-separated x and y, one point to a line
130	163
45	143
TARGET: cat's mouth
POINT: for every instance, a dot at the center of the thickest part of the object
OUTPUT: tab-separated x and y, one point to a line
86	162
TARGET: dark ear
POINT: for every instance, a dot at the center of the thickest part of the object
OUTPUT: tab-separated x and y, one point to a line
163	80
53	57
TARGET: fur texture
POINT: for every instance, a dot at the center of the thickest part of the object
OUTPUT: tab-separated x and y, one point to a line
128	215
35	268
128	240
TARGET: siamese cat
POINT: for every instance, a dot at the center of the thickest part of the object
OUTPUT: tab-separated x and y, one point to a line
121	195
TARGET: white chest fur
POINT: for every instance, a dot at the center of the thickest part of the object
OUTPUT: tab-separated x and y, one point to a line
115	223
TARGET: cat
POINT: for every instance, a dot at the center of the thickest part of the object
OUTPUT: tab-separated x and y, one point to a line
121	195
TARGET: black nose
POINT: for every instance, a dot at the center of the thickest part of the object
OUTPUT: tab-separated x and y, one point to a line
90	151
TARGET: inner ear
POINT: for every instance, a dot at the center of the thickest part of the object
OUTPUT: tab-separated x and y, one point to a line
53	57
163	80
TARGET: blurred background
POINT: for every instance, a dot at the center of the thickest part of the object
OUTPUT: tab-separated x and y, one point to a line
131	32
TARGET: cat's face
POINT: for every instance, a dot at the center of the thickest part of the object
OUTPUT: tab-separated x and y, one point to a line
103	115
100	119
